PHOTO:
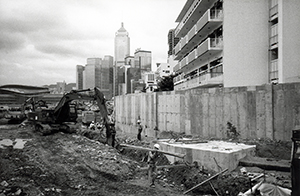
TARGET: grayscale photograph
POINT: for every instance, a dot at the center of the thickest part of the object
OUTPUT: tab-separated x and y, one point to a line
149	97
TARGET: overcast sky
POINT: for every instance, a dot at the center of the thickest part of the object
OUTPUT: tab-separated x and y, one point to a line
42	41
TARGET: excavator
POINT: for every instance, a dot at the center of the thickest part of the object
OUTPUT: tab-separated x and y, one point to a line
64	116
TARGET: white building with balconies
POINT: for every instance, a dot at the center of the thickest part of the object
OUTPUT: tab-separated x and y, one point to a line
237	43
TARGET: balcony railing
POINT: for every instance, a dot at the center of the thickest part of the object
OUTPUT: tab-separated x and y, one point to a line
273	40
186	17
216	13
183	63
273	73
211	15
201	80
274	11
192	56
209	43
216	42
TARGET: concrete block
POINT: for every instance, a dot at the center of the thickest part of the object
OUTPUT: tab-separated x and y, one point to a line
214	155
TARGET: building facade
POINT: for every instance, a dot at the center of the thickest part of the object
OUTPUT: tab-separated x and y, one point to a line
91	76
237	43
79	77
122	49
163	69
96	73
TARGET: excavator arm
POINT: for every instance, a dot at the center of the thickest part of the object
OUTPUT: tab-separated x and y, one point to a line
62	109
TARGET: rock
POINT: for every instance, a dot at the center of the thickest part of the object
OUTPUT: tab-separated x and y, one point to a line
20	143
6	143
4	183
18	192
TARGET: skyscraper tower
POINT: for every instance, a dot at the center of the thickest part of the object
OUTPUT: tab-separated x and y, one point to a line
122	49
79	77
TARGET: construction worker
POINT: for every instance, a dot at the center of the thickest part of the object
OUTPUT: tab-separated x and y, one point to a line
92	125
140	129
152	161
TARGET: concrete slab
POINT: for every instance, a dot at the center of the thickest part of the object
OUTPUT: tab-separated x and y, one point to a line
214	155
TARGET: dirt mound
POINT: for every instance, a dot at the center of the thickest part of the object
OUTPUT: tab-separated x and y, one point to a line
65	164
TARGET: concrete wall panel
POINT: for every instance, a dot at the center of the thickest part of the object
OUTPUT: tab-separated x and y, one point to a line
269	111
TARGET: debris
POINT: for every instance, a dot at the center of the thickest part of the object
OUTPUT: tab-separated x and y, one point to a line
243	170
4	183
267	189
18	192
6	143
20	143
207	180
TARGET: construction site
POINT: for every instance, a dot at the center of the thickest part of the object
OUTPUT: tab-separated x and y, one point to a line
54	152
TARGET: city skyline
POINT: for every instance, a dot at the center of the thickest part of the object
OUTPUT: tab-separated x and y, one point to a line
42	42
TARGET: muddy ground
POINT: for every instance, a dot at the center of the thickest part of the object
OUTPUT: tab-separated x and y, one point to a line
74	164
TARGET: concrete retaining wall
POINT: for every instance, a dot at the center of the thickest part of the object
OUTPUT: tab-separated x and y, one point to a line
268	111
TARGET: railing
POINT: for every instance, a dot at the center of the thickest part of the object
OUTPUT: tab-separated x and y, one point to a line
273	69
203	78
274	30
183	63
192	56
274	35
210	14
216	42
215	74
274	10
191	33
273	40
216	13
187	16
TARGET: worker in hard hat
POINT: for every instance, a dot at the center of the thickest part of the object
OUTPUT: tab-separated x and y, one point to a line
140	129
92	125
152	161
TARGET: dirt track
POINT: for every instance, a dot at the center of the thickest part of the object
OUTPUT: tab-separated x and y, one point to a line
71	164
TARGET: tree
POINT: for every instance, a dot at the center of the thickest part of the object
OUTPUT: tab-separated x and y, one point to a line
166	83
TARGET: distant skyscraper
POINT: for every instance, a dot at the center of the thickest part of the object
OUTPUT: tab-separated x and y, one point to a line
92	73
96	73
122	49
106	76
79	77
122	45
142	60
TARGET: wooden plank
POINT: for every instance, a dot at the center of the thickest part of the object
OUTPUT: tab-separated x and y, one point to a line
150	149
163	166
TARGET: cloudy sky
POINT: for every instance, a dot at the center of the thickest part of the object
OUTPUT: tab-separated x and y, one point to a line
42	41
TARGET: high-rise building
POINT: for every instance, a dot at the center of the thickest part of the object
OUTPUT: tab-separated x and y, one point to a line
122	49
92	73
237	43
79	77
163	69
129	73
96	73
106	77
143	60
172	41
